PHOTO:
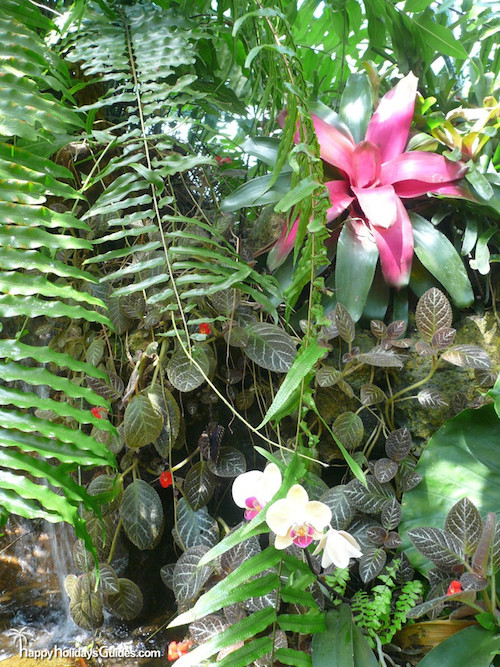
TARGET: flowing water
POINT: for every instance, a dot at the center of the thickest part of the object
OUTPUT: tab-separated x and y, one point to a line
35	558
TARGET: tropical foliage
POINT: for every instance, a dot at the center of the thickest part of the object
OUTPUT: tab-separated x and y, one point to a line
237	244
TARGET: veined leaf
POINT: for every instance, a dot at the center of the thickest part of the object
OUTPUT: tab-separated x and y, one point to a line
142	514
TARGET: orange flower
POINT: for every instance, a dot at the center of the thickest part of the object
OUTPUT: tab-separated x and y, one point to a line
177	649
99	412
454	587
166	479
205	329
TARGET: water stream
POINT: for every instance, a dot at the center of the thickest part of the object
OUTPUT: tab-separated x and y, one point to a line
35	558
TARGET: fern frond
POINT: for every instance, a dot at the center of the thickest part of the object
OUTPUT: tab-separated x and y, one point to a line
35	281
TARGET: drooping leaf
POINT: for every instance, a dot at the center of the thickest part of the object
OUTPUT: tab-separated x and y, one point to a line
370	498
354	271
127	603
194	528
380	357
142	514
398	444
371	563
188	577
199	485
344	323
342	644
143	421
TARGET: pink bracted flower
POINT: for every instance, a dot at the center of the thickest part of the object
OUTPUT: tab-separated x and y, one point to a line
377	173
296	519
254	489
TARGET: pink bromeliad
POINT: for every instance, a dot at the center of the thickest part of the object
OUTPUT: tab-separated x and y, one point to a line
377	173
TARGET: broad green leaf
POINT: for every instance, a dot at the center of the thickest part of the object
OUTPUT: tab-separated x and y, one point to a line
127	603
439	256
495	395
143	421
354	270
263	148
460	461
302	365
472	646
142	514
349	429
341	644
270	347
439	37
188	577
199	485
183	372
194	528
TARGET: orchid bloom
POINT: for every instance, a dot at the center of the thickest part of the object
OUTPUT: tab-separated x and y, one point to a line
338	548
296	519
376	174
253	490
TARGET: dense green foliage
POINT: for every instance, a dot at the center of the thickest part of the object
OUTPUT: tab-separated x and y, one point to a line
144	178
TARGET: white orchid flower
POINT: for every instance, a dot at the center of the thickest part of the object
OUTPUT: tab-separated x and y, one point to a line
296	519
338	548
254	489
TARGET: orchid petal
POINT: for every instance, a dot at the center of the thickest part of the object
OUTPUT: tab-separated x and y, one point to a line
283	246
278	517
421	166
390	124
318	514
409	189
244	486
395	246
378	204
334	147
340	198
366	164
354	545
270	482
283	541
